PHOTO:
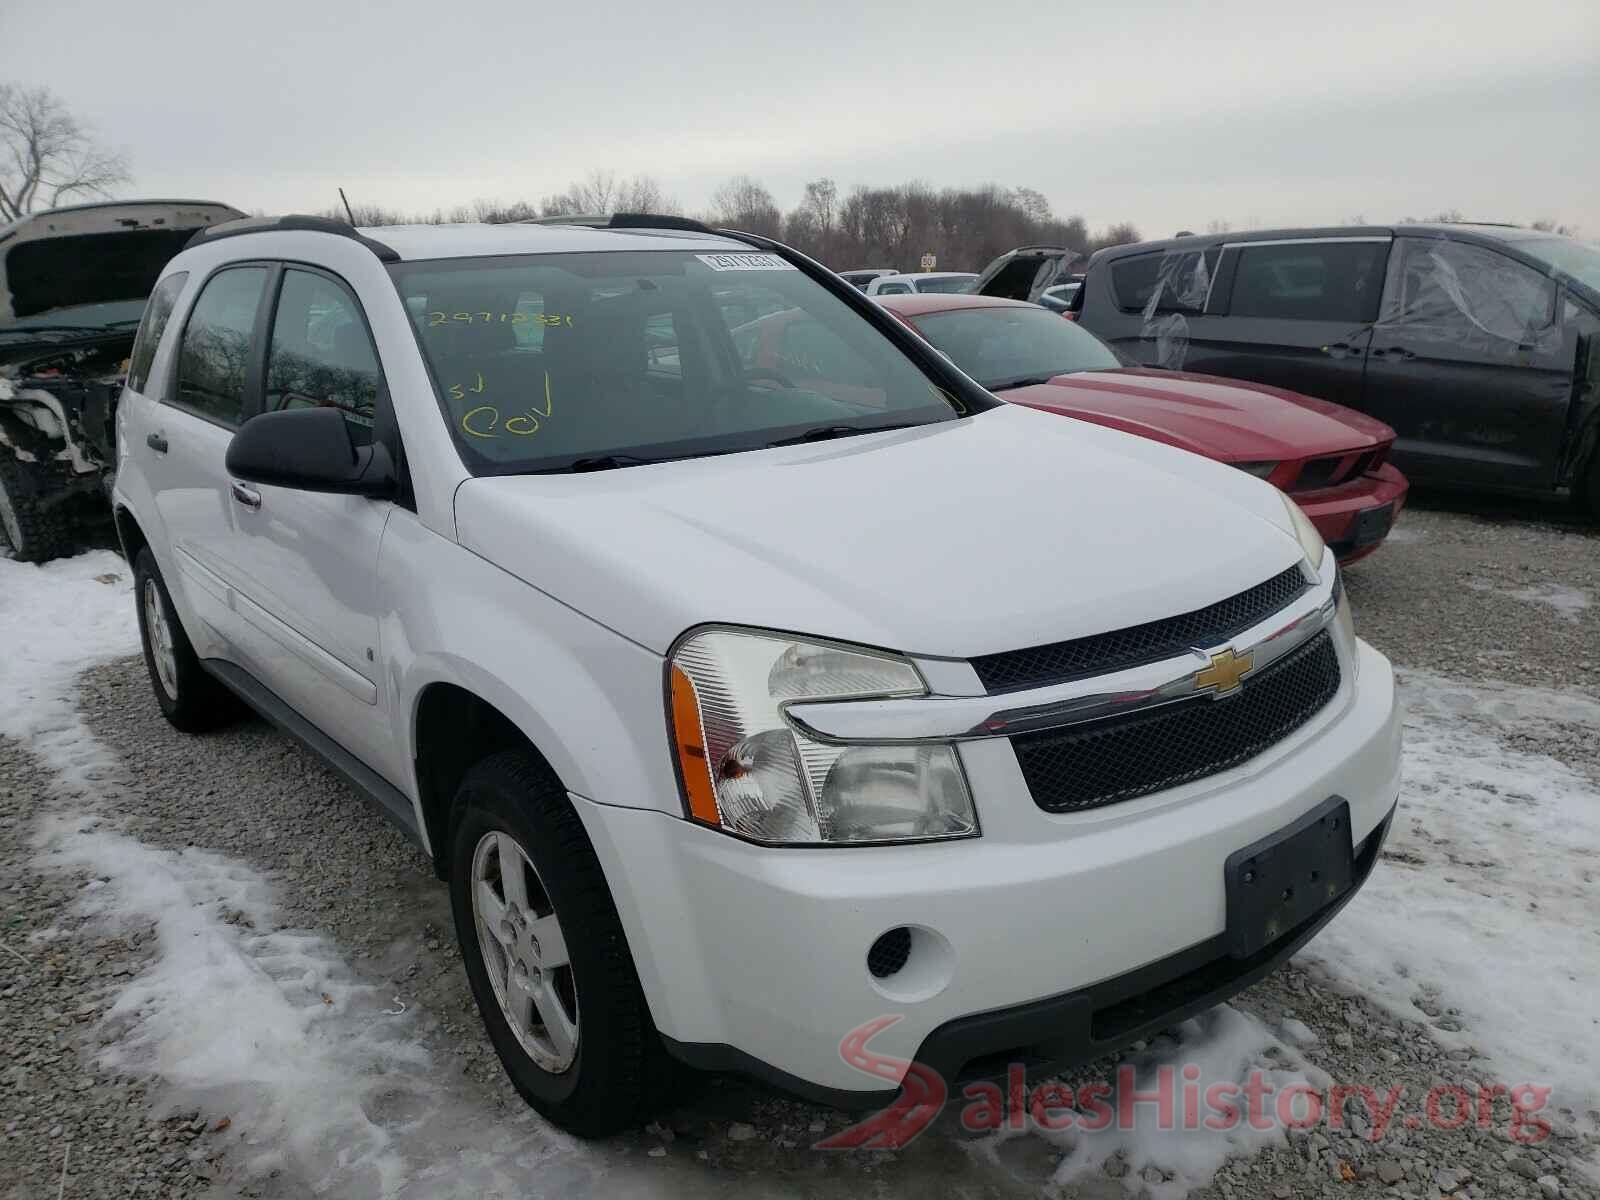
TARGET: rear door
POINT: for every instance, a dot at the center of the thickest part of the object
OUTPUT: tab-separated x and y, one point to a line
180	445
1470	366
307	561
1295	313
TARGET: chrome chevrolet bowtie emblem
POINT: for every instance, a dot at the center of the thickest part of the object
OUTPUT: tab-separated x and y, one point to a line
1225	672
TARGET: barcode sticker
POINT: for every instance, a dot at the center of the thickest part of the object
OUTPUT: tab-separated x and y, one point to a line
744	262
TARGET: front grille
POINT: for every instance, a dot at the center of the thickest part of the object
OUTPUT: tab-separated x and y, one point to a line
1103	762
1318	473
1102	653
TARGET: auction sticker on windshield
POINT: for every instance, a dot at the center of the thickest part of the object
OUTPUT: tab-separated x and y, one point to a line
744	262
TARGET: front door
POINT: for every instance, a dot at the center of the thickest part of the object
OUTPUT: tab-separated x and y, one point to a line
1470	366
307	573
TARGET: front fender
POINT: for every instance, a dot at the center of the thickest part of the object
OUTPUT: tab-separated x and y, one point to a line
589	699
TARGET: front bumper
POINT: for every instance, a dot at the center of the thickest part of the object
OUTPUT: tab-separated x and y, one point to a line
1025	938
1337	511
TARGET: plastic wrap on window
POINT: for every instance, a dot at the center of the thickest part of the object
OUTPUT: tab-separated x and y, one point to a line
1182	284
1465	294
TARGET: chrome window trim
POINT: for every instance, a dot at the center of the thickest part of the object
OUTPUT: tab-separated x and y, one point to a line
1306	241
937	718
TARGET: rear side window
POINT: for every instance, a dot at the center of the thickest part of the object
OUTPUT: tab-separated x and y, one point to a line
322	355
215	355
1177	281
1309	281
156	315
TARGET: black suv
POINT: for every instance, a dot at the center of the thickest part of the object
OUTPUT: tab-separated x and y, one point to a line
1476	343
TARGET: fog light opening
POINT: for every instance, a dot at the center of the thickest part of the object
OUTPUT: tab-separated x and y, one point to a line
910	963
889	953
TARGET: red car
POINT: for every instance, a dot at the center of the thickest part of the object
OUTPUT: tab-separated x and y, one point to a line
1329	458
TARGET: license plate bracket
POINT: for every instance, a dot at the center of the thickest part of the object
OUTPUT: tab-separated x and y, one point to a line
1278	882
1372	526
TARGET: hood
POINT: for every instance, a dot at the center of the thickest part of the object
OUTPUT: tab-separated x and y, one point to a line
94	253
1003	530
1220	418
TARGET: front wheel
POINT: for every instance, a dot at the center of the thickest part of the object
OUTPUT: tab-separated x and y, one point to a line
35	532
545	952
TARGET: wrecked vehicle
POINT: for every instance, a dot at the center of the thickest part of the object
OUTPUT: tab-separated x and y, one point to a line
1476	343
73	284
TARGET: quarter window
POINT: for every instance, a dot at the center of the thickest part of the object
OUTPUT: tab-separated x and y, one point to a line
1177	281
156	315
1309	281
216	345
322	355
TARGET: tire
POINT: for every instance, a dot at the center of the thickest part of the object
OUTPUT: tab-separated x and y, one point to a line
190	698
35	533
612	1072
1591	486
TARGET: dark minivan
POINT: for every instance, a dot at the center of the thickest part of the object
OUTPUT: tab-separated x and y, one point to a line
1476	343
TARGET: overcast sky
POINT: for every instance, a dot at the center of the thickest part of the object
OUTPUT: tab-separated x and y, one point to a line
1171	115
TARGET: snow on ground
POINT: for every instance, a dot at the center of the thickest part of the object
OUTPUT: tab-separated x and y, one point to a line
1227	1046
1568	601
55	620
1484	901
322	1075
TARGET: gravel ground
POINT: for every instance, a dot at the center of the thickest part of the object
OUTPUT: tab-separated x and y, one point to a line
1457	594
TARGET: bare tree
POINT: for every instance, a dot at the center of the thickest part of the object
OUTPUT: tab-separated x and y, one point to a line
744	204
1116	235
604	192
1550	225
47	155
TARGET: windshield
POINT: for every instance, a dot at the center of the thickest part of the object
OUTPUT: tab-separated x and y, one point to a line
571	361
1007	346
1578	259
949	283
87	319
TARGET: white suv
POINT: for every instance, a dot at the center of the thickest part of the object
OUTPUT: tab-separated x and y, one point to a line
748	671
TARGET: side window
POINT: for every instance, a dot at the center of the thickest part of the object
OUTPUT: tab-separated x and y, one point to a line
215	354
1469	294
321	354
1176	281
1309	281
157	312
894	289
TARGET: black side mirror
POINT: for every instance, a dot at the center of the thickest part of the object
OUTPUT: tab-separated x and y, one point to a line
309	449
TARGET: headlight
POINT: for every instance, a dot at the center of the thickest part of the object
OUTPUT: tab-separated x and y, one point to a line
746	770
1310	540
1345	622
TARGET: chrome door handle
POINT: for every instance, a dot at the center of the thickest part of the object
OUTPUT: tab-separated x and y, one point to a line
248	497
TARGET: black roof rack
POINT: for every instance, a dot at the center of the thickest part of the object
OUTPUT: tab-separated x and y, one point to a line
292	221
624	220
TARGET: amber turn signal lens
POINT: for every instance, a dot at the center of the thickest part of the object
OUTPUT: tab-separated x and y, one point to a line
689	737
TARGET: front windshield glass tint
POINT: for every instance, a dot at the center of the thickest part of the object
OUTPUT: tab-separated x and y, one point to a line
1005	345
541	361
951	283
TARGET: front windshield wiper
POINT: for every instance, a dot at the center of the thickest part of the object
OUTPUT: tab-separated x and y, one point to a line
823	433
1025	381
607	462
